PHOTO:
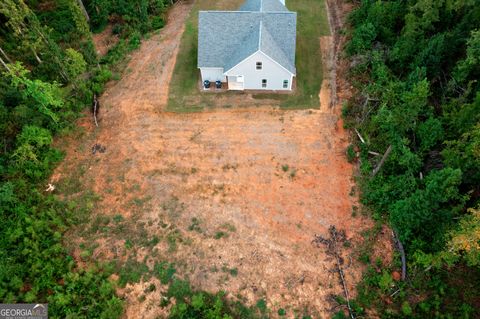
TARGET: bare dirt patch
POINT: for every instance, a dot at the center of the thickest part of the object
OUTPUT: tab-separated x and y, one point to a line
327	90
105	40
234	196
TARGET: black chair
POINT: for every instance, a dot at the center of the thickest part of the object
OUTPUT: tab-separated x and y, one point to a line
218	84
206	84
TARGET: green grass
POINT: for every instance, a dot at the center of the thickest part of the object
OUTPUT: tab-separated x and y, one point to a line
185	75
164	271
132	272
312	23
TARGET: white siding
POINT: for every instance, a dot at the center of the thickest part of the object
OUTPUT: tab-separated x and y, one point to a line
235	83
212	74
271	71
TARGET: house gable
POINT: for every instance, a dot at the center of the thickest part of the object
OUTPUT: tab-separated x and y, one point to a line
227	37
271	71
262	31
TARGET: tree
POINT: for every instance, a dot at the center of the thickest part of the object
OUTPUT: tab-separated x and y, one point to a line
24	26
469	68
31	142
30	33
465	241
74	63
464	153
46	95
424	216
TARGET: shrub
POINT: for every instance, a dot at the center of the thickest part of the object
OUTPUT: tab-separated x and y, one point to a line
157	22
351	153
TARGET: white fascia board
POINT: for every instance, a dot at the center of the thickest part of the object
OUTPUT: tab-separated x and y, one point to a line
226	72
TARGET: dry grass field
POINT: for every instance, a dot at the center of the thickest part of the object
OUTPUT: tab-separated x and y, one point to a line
230	198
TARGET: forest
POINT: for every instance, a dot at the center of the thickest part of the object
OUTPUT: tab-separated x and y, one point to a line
415	67
50	72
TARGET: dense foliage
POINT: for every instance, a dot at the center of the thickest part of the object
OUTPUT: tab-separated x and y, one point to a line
142	15
49	73
415	66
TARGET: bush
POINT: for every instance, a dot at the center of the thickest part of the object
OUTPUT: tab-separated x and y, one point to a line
351	155
134	41
164	271
157	22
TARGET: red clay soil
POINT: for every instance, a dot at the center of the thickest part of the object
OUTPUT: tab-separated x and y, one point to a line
260	181
104	40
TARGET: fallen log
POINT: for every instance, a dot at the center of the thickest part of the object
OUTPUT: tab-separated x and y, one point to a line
382	161
95	109
332	249
402	254
359	136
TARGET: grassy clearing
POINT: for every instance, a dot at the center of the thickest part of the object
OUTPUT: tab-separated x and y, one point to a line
312	23
184	95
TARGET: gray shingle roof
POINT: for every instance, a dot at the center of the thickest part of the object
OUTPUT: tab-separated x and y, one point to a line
251	5
263	5
226	38
249	45
270	47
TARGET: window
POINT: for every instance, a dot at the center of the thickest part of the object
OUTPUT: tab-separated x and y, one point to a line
259	65
264	83
285	84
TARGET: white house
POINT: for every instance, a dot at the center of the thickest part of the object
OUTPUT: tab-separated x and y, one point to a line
250	49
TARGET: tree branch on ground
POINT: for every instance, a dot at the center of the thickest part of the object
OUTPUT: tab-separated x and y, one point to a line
331	243
382	161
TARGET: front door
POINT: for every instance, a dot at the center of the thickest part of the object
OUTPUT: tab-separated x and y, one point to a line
236	82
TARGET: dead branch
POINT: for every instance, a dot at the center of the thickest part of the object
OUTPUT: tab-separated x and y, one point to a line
382	161
4	64
345	290
98	148
373	153
395	292
35	54
84	11
359	136
5	56
95	109
402	254
332	250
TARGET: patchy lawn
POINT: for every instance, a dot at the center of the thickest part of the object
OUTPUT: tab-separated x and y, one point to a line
312	23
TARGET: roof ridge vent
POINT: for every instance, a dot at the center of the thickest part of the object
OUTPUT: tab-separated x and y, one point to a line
260	35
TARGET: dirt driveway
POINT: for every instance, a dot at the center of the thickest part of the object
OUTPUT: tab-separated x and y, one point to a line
242	190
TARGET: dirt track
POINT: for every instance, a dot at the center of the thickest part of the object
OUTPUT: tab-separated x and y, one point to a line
266	180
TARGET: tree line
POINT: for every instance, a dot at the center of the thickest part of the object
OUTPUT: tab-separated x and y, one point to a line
415	67
49	74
